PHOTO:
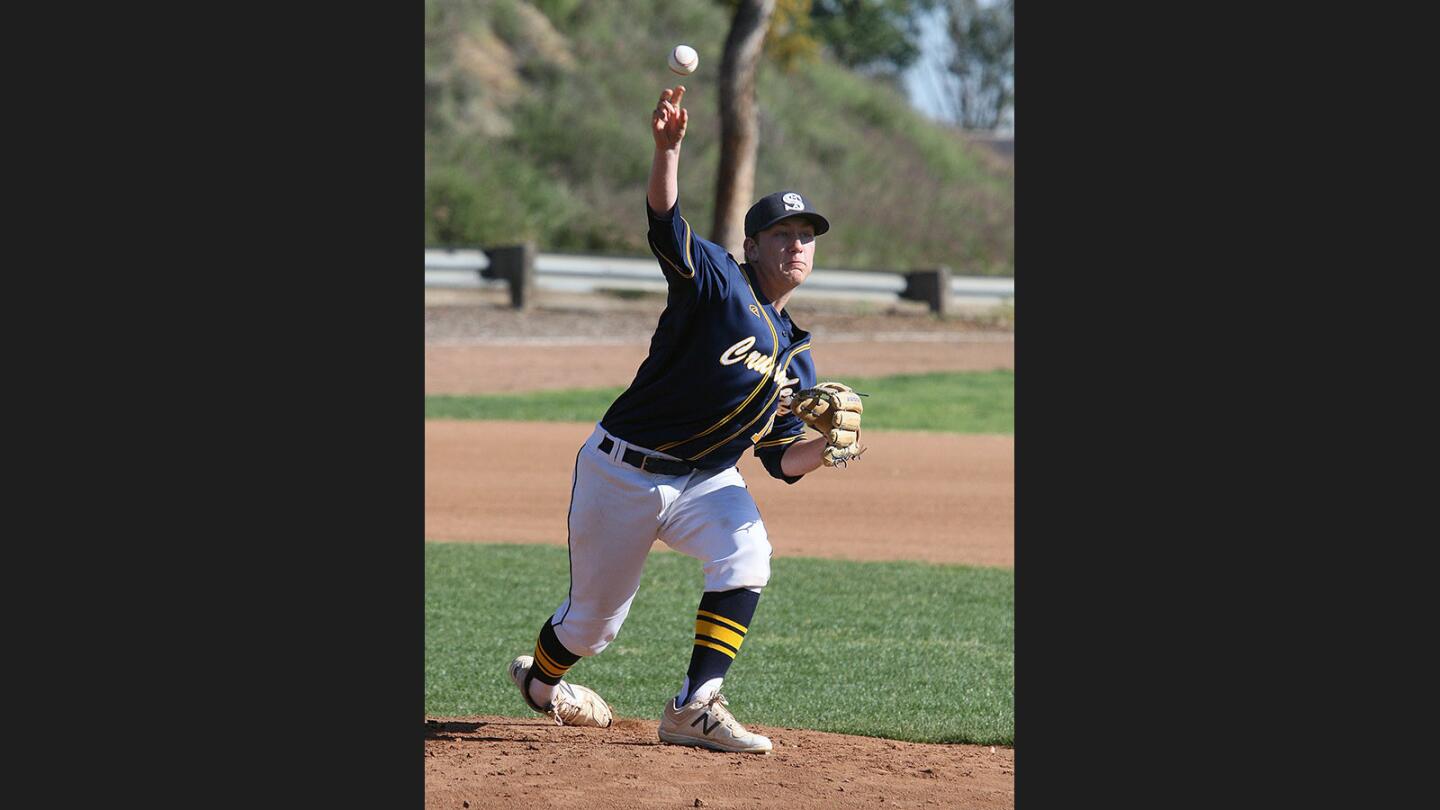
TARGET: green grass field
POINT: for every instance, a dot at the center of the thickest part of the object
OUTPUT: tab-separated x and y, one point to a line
952	402
902	650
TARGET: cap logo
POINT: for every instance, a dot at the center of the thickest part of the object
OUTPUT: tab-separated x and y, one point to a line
793	202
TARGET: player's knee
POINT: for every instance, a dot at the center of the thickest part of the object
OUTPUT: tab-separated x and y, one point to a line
748	567
590	648
583	640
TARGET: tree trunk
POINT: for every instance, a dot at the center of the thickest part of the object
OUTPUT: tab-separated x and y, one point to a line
739	127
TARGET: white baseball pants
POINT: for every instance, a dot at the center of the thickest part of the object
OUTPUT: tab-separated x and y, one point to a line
617	511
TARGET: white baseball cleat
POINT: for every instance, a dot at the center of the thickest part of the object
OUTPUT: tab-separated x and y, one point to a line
571	705
708	724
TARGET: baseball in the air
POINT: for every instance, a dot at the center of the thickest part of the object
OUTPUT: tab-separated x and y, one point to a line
684	60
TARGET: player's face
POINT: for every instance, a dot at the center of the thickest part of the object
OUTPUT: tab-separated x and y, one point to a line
786	251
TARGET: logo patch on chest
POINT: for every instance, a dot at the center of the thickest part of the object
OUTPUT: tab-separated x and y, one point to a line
754	310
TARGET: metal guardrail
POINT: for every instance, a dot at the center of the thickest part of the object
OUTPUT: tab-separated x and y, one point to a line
470	268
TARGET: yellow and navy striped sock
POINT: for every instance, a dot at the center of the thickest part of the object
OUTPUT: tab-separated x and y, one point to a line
720	627
552	660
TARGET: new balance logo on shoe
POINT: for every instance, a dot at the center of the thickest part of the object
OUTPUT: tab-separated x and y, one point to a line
708	724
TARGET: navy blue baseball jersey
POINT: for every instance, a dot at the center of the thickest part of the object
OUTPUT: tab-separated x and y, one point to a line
719	358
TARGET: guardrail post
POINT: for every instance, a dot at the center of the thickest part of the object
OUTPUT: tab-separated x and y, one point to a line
930	286
516	265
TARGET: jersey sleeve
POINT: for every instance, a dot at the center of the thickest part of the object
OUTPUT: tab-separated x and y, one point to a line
788	430
686	259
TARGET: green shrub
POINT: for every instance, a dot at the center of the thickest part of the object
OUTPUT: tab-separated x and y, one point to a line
566	162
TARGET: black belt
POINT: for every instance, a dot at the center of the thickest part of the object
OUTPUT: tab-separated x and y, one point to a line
661	466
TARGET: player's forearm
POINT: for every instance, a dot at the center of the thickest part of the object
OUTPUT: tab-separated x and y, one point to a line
664	187
803	456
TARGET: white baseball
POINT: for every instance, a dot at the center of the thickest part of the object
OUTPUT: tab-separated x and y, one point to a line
684	60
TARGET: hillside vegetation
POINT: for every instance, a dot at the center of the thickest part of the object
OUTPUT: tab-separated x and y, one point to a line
536	117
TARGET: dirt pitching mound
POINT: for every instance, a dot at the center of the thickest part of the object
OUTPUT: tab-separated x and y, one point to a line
485	761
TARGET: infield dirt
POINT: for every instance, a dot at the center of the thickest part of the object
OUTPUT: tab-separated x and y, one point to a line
934	497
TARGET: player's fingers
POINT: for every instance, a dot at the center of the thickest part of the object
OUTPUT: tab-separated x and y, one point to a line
684	118
679	94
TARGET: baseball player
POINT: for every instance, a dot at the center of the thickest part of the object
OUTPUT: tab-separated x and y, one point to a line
727	370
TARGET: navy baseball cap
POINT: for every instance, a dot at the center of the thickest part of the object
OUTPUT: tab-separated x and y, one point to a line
775	207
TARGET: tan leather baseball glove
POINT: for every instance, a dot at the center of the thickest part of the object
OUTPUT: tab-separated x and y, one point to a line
834	410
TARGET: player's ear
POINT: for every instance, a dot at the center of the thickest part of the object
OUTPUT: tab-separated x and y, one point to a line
752	250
